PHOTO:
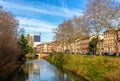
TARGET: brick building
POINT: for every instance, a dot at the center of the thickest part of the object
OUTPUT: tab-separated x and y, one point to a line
118	37
48	47
84	45
110	40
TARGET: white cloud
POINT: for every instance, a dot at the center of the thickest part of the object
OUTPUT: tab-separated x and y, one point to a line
34	25
37	26
45	9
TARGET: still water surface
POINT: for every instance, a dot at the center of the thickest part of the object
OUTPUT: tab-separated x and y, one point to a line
41	70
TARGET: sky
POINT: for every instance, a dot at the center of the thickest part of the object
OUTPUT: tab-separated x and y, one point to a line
41	16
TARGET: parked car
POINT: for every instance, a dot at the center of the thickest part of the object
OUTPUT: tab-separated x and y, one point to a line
112	54
109	53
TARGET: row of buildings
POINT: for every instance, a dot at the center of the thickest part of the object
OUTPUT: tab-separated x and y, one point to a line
80	46
106	43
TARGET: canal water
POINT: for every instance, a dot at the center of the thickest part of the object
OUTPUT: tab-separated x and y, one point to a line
41	70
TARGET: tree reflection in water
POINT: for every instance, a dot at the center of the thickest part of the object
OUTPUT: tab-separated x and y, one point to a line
41	70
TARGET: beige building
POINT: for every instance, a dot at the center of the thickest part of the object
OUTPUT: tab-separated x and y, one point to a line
78	46
58	46
118	38
48	47
100	46
106	44
37	49
33	40
109	40
82	45
30	39
85	45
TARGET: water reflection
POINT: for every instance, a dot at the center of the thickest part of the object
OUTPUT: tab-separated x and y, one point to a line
41	70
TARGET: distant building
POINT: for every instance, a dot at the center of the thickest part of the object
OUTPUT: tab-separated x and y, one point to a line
37	40
100	46
106	43
33	40
45	47
84	45
30	39
77	46
49	47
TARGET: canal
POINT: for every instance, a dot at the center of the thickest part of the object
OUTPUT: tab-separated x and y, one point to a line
41	70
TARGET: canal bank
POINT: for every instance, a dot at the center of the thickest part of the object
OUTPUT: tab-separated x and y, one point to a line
41	70
7	71
92	68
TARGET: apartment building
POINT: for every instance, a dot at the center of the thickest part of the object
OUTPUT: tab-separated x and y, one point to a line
118	37
58	46
109	41
33	40
30	40
100	46
84	43
37	49
78	46
106	44
45	47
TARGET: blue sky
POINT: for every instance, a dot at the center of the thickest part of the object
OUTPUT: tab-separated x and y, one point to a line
41	16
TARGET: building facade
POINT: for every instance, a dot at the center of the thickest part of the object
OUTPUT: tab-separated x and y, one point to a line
112	40
78	46
100	46
30	39
109	41
33	40
106	44
118	38
84	43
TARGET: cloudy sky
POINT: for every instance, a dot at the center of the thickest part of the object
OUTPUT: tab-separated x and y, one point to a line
41	16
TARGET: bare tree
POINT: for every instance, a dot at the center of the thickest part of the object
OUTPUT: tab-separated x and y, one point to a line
93	15
69	31
81	29
111	16
64	33
103	14
9	50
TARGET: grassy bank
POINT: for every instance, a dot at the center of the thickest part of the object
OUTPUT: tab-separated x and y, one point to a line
92	68
31	56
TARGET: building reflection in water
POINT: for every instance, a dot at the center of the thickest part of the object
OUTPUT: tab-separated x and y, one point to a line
32	69
41	70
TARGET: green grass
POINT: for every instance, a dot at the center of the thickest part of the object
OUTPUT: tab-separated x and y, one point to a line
92	68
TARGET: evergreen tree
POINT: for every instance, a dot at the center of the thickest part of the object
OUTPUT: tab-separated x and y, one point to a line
23	44
93	45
